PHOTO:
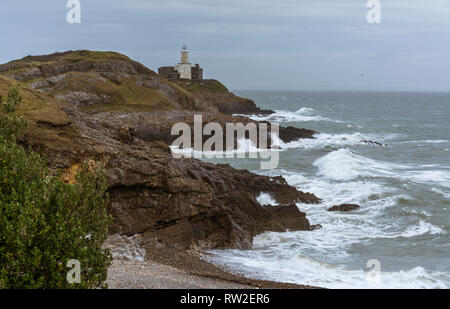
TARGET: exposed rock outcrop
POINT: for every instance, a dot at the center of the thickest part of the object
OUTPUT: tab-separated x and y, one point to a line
215	93
344	207
106	110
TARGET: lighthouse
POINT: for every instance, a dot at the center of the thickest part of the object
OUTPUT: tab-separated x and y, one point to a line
184	67
183	70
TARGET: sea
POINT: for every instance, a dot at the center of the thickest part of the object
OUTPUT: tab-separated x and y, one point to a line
400	236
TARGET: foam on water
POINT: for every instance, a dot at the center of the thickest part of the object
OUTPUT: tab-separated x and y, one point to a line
343	176
439	176
300	269
266	199
322	140
244	146
341	230
411	173
344	165
442	192
288	256
301	115
428	141
422	228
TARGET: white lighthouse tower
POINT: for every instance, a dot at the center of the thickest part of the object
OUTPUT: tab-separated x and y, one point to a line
184	67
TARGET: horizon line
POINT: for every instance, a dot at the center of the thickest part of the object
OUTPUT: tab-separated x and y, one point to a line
344	90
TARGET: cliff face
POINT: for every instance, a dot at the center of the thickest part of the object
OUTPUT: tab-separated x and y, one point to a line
216	94
91	107
106	84
108	81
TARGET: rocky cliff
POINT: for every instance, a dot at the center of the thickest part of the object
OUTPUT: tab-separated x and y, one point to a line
103	109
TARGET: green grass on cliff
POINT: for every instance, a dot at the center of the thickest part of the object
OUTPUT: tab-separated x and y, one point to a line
65	58
35	106
205	86
74	56
120	93
47	124
126	95
123	94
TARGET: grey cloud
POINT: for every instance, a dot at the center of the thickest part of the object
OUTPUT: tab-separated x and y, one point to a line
290	44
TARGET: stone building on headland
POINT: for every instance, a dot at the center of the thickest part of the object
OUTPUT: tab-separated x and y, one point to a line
182	70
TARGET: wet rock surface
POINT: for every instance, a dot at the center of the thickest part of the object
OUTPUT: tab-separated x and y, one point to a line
344	207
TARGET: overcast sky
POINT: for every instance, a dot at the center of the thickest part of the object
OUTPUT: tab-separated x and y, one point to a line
252	44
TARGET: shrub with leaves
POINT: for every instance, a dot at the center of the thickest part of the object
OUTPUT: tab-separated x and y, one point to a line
45	222
11	125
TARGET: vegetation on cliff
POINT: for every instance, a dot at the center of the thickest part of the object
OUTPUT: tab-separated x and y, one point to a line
110	82
44	222
98	82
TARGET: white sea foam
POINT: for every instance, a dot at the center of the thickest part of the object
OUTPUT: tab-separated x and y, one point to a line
322	140
300	269
341	230
428	141
287	256
414	212
422	228
299	256
345	165
442	192
303	114
244	146
266	199
436	176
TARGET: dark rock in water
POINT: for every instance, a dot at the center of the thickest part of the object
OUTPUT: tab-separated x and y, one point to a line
344	207
315	227
291	134
372	143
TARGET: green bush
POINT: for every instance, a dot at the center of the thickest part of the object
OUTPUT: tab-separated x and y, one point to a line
11	125
45	222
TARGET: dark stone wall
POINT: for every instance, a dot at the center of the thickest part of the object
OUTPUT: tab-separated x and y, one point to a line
168	73
197	72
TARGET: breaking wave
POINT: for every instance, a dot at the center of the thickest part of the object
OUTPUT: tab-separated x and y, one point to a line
322	140
345	165
301	269
301	115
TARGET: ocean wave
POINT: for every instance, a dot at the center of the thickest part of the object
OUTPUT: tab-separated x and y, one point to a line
345	165
322	140
441	192
356	191
422	228
244	146
288	257
342	230
414	212
436	176
428	141
301	269
303	114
